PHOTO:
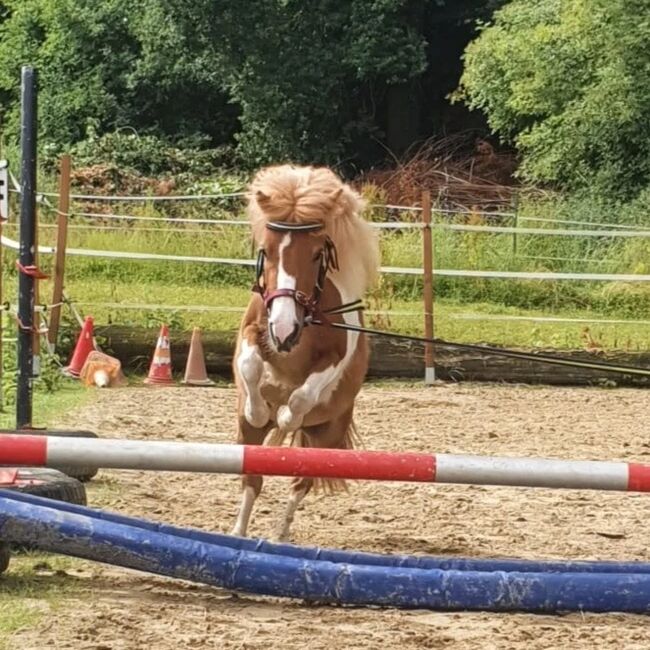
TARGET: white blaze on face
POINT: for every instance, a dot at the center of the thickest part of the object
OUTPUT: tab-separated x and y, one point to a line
283	315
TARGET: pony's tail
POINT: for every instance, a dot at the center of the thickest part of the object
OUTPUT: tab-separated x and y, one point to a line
301	438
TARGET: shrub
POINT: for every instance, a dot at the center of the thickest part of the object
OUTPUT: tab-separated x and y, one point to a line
567	82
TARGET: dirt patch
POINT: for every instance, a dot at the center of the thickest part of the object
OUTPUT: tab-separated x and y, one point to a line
123	609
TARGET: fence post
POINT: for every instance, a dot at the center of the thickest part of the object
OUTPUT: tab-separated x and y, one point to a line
4	190
36	315
427	247
28	120
516	224
61	243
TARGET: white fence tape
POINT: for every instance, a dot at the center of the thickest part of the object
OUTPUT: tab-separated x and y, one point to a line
522	275
575	222
556	232
168	220
392	225
147	306
389	312
115	229
127	255
548	319
402	208
155	198
394	270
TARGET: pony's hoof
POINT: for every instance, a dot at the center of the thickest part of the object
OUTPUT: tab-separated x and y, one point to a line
287	420
257	416
281	537
238	531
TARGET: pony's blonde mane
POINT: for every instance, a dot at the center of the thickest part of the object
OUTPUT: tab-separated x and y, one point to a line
307	194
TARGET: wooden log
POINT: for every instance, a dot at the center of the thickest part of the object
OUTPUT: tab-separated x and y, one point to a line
389	359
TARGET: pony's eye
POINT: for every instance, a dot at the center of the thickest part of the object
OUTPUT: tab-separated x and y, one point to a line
317	256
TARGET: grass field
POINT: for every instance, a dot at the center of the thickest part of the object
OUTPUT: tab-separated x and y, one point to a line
183	306
48	407
37	583
467	310
453	321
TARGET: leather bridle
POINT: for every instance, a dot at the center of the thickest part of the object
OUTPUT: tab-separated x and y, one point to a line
328	261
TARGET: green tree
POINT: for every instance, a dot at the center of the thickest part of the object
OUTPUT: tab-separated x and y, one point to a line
325	81
568	82
330	81
83	53
300	71
89	55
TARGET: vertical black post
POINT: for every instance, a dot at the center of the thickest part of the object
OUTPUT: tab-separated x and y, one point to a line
28	120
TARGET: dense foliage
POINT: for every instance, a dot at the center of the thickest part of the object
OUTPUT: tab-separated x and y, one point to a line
344	83
322	81
90	59
568	82
299	75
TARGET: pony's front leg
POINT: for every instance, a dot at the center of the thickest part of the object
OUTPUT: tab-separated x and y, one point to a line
251	367
316	389
251	484
254	419
332	434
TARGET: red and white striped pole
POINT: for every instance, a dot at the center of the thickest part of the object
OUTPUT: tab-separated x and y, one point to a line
323	463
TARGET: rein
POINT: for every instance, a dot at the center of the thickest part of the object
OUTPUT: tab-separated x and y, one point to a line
316	316
542	358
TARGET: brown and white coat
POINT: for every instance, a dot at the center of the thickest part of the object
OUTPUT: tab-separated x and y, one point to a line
291	379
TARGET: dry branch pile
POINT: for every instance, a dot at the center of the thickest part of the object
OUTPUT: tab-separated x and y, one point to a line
109	179
460	171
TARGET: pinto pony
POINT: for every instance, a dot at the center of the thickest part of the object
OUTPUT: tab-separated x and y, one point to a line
316	259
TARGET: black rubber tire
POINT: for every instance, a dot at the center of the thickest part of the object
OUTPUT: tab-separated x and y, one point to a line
48	483
83	474
5	556
51	484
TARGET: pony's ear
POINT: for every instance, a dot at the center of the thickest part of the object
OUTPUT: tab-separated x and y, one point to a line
336	194
262	199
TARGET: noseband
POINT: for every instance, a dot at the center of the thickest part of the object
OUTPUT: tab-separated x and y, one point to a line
328	262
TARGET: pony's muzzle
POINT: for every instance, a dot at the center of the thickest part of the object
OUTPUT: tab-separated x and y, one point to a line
286	320
284	339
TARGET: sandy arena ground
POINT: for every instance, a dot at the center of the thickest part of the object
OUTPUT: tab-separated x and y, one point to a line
122	609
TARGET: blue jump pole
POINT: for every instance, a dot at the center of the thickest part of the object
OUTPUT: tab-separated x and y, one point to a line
348	557
94	538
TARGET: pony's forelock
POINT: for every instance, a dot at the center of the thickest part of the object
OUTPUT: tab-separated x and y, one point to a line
315	194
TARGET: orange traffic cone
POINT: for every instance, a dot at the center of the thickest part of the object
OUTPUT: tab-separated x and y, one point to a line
160	372
85	345
195	370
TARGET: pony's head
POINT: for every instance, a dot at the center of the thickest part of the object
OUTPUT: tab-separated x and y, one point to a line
291	269
302	217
